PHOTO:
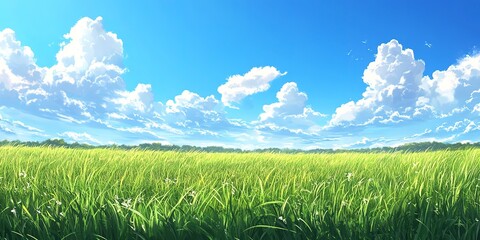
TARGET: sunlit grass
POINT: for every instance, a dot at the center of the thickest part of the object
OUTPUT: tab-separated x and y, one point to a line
55	193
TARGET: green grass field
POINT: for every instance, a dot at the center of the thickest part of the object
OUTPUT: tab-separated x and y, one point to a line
56	193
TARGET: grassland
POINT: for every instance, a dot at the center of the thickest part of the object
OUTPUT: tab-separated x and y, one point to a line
56	193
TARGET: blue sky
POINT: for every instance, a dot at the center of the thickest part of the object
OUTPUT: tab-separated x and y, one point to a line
304	74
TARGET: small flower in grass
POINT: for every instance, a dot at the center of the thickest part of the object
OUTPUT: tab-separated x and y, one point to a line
344	203
58	202
170	181
14	212
127	203
349	176
476	220
192	193
38	211
22	174
281	218
62	214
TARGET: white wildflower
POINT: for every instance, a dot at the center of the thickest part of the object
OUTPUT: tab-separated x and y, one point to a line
170	181
127	203
349	176
192	193
22	174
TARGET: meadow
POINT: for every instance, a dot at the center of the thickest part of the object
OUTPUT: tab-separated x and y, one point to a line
58	193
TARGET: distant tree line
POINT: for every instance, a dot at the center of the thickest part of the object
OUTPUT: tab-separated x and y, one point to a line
409	147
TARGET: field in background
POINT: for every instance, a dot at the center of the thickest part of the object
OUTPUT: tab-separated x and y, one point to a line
55	193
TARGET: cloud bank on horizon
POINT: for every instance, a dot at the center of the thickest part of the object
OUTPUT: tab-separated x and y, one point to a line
84	98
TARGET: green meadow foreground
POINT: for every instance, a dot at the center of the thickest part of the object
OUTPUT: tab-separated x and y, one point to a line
56	193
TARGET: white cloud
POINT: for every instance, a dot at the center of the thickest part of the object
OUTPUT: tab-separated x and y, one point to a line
19	73
140	100
85	84
80	138
398	92
191	111
393	85
256	80
27	127
460	127
89	43
291	110
456	87
189	100
85	87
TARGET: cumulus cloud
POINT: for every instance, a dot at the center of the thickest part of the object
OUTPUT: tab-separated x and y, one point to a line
256	80
19	74
291	110
455	88
393	85
204	115
85	84
398	92
139	100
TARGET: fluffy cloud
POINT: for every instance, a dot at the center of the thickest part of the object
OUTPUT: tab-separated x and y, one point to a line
139	100
397	91
84	85
455	88
203	115
19	74
290	111
393	88
256	80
